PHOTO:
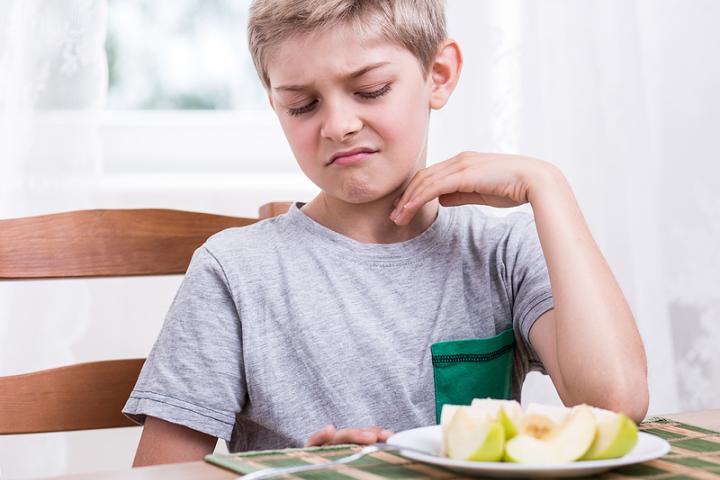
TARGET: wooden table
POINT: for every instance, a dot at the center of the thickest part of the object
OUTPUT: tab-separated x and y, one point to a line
705	418
203	471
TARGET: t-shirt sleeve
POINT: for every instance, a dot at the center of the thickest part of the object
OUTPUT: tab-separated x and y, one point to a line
528	280
194	373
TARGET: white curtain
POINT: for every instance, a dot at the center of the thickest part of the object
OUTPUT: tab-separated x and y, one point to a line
622	95
53	78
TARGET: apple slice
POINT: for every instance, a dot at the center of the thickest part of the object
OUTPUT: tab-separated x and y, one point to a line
537	425
508	412
471	437
616	435
566	443
509	423
556	413
446	414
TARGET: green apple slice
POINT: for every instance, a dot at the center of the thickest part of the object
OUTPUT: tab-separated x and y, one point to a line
472	438
568	442
446	414
537	425
616	435
508	412
556	413
508	424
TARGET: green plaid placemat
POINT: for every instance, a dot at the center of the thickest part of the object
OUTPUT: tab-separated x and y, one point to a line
695	454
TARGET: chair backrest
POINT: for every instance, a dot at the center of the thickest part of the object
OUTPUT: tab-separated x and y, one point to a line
94	243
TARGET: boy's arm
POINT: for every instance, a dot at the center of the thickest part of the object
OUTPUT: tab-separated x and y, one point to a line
588	343
165	442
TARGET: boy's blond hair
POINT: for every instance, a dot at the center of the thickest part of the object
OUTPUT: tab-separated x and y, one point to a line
417	25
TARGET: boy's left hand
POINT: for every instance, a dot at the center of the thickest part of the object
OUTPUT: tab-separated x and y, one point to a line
496	180
361	436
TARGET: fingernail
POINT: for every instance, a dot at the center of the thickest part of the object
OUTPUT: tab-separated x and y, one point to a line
370	437
387	433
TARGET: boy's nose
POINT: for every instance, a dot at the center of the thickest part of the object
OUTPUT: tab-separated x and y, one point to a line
340	124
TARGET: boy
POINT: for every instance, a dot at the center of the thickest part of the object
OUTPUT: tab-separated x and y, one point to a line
316	327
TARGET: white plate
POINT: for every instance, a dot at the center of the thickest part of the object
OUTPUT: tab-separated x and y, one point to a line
427	439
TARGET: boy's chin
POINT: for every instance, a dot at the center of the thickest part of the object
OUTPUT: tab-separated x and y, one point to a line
363	196
368	198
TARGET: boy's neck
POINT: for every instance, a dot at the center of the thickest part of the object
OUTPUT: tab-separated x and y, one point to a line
368	222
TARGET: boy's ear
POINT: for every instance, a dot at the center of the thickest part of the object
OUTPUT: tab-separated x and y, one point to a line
445	73
271	102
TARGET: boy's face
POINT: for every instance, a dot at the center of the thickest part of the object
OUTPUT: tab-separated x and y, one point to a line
336	92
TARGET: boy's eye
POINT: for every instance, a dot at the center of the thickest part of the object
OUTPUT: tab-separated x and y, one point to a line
376	93
310	106
304	109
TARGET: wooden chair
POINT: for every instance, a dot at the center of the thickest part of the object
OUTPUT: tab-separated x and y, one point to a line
94	243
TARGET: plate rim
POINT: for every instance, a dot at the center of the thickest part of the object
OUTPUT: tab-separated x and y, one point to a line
663	447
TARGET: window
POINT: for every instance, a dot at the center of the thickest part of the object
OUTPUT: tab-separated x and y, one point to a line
180	55
183	94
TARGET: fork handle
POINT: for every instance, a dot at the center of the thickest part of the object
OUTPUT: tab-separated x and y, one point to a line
272	472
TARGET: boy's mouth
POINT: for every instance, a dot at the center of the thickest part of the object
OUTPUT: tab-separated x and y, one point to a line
351	157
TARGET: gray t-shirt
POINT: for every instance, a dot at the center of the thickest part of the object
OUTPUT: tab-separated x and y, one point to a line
285	326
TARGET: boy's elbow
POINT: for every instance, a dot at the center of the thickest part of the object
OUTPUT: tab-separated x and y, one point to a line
627	391
632	400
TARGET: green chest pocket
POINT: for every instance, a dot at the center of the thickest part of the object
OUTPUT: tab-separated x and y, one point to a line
473	368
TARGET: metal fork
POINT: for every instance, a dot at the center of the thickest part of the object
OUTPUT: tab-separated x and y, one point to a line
375	447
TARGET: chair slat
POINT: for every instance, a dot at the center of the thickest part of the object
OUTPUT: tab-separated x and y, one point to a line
105	243
107	385
274	209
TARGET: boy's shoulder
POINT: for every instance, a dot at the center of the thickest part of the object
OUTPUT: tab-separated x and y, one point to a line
263	234
483	230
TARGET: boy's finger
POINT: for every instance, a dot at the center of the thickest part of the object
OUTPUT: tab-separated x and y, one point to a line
381	434
375	429
355	435
321	437
421	181
452	183
384	435
460	198
417	179
445	185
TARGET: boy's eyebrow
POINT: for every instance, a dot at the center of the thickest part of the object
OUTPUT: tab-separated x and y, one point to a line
357	73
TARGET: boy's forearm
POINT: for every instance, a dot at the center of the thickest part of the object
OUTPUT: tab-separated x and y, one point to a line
600	357
165	442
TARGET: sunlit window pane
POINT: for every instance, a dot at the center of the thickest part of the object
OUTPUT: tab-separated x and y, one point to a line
180	55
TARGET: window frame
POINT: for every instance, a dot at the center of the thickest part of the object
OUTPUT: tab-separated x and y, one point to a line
193	142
